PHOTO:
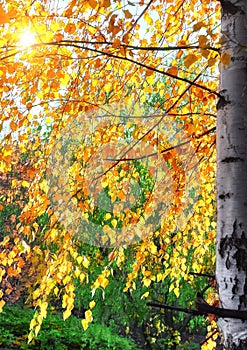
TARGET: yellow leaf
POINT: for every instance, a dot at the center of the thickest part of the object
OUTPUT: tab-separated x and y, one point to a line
145	295
82	276
66	279
176	291
114	223
89	316
108	87
79	259
104	282
84	324
77	272
43	309
104	182
107	216
43	186
25	183
30	337
160	277
148	19
33	323
92	304
189	60
66	314
37	329
146	282
152	248
85	262
2	303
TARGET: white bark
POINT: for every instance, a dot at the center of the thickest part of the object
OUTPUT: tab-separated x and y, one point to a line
231	266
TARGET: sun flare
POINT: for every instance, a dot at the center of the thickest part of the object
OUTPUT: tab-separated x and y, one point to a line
27	38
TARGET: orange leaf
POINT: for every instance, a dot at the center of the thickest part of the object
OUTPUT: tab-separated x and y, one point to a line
70	28
149	72
116	43
198	26
203	41
4	17
225	59
172	70
13	126
58	37
189	60
126	38
127	14
93	3
106	3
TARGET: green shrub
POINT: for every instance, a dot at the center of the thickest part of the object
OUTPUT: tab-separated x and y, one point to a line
57	333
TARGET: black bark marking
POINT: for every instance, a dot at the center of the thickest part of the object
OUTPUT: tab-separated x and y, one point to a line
235	287
241	346
228	262
223	246
239	58
234	232
232	160
227	243
222	102
229	8
224	196
241	258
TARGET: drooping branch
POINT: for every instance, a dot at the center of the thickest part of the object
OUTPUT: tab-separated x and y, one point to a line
188	141
123	58
78	45
202	274
174	308
204	309
142	48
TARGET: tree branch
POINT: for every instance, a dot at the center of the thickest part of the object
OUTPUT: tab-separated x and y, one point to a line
204	309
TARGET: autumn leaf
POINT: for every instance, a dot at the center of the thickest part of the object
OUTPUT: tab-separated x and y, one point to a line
190	59
70	28
66	314
198	26
127	14
225	59
106	3
93	3
4	17
84	324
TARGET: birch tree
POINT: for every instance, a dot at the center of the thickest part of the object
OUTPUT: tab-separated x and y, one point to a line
232	174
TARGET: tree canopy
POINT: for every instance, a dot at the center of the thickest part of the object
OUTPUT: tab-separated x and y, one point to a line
108	120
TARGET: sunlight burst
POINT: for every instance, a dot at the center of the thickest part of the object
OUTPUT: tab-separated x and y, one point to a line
27	38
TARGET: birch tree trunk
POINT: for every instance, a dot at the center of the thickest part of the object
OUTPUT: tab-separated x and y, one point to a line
231	266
